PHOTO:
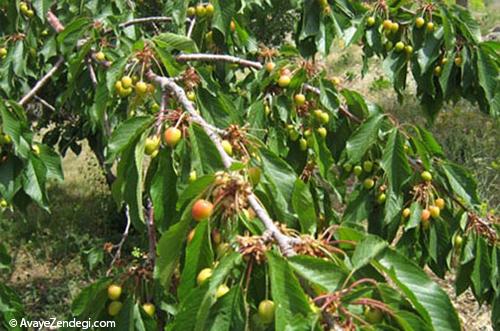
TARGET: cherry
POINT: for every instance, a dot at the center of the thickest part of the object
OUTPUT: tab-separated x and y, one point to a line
152	145
221	290
435	211
440	203
419	22
458	61
368	166
202	209
302	144
409	50
3	203
126	81
204	275
232	26
370	21
210	9
399	46
368	183
172	136
430	27
254	174
141	88
3	52
426	176
299	99
191	96
381	198
284	80
373	315
426	215
228	148
437	71
458	241
336	81
394	27
358	170
387	24
114	308
347	167
270	66
192	176
149	309
322	132
114	291
100	56
406	212
201	10
266	311
191	11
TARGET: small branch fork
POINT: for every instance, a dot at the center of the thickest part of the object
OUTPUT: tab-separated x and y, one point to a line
119	246
168	84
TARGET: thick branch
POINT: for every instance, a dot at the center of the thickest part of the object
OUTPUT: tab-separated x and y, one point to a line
42	82
169	84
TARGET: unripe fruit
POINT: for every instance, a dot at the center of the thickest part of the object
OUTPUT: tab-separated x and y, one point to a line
409	50
370	21
100	56
307	133
172	136
373	315
293	134
270	66
399	46
440	203
394	27
209	9
325	118
435	211
437	71
35	149
254	175
192	176
406	212
152	144
430	27
387	24
266	311
23	7
444	60
358	170
3	203
201	10
149	309
303	144
203	276
30	13
388	46
458	241
191	11
114	292
458	61
347	167
381	198
221	290
419	22
426	215
191	235
336	81
426	176
232	26
323	3
299	99
126	81
222	249
3	52
5	139
202	209
141	87
191	96
368	166
267	110
368	183
114	308
228	148
119	86
125	92
322	132
284	81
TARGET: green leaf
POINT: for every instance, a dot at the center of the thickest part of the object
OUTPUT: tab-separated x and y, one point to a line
194	189
366	250
224	12
91	300
318	271
203	151
286	291
41	8
34	178
394	161
228	312
303	205
427	297
72	32
461	182
52	162
171	41
198	256
126	134
488	73
363	138
481	271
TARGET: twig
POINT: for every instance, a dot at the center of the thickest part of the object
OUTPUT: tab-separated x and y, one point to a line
54	22
284	242
151	231
143	20
191	27
122	241
93	77
45	103
217	57
42	82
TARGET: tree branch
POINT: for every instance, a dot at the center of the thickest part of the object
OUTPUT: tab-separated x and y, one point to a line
122	241
142	20
42	82
54	22
285	243
151	231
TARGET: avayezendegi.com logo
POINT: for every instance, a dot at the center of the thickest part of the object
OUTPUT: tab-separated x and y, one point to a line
54	323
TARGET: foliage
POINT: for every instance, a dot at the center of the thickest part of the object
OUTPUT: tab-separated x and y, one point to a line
316	198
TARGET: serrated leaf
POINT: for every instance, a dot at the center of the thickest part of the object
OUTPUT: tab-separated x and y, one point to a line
128	131
394	161
363	138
